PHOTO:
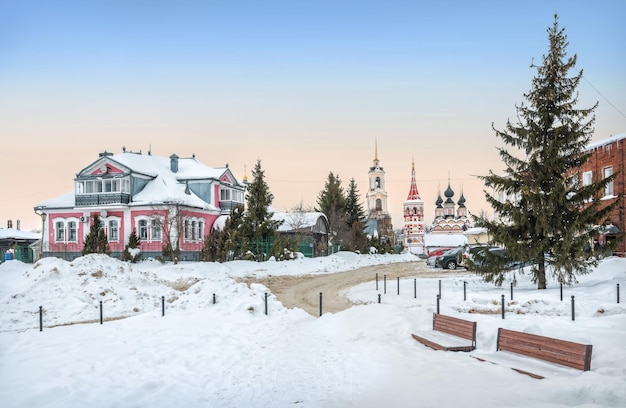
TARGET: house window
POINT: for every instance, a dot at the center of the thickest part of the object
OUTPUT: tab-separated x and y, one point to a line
60	231
186	230
608	189
71	231
114	233
225	194
587	176
193	230
155	229
143	229
200	230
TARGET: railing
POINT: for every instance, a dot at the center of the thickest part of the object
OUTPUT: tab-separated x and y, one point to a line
104	198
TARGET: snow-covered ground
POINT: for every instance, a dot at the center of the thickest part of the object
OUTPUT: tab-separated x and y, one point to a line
231	354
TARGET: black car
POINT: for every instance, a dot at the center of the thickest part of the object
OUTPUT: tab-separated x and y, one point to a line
451	258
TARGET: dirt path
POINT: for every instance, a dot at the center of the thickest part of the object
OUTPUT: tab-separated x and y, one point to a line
304	291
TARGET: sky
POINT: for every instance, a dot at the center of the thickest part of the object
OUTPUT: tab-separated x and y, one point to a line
306	87
232	354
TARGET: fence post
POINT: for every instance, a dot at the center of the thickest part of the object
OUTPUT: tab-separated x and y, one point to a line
511	290
320	303
561	292
266	303
162	305
440	288
214	298
379	298
398	286
376	281
503	306
438	297
618	293
385	284
100	312
414	288
41	318
464	290
573	317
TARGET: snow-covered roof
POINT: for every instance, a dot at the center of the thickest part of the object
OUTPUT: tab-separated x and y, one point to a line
607	141
475	231
297	220
165	188
444	240
12	233
188	167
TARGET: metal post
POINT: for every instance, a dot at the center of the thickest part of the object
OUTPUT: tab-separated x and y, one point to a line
385	284
100	312
573	317
414	288
618	293
266	303
439	288
41	318
398	286
162	305
464	290
377	281
214	298
438	297
503	306
320	303
561	292
379	298
511	290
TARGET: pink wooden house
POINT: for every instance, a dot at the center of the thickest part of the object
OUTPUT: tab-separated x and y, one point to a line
175	200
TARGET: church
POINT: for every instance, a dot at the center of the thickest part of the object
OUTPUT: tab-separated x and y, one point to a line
450	217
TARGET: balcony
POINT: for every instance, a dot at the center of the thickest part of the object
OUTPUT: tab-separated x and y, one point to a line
102	199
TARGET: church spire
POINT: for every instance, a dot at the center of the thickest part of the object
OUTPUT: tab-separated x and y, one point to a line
413	193
376	161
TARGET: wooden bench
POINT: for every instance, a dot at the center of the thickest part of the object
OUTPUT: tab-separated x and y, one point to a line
458	334
546	349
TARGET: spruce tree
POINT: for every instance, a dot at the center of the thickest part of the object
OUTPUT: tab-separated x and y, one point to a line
355	219
258	226
133	244
96	241
549	222
332	202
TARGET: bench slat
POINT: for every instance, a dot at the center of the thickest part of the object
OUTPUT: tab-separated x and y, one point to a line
462	329
549	349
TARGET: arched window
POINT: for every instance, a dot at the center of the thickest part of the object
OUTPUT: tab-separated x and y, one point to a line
379	204
377	183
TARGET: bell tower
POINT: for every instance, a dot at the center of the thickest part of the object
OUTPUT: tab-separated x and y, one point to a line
378	218
414	219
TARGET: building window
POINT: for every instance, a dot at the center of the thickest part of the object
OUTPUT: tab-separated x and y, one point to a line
377	183
143	229
155	234
379	204
72	231
200	230
193	230
114	232
608	189
60	231
587	177
225	194
186	230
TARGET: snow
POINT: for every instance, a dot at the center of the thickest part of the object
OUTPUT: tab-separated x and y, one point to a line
231	354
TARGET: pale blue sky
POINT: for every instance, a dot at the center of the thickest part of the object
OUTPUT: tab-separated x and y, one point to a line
305	86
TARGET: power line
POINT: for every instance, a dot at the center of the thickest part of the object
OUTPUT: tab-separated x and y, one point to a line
605	98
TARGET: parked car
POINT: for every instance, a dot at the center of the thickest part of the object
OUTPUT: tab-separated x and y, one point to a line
451	259
494	255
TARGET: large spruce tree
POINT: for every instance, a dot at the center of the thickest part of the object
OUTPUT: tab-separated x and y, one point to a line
332	202
355	219
258	227
549	222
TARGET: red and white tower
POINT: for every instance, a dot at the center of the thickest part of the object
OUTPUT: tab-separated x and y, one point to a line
414	219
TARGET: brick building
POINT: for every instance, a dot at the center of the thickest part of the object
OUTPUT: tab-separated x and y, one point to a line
608	158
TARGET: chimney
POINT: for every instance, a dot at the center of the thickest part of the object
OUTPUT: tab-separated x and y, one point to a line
174	163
